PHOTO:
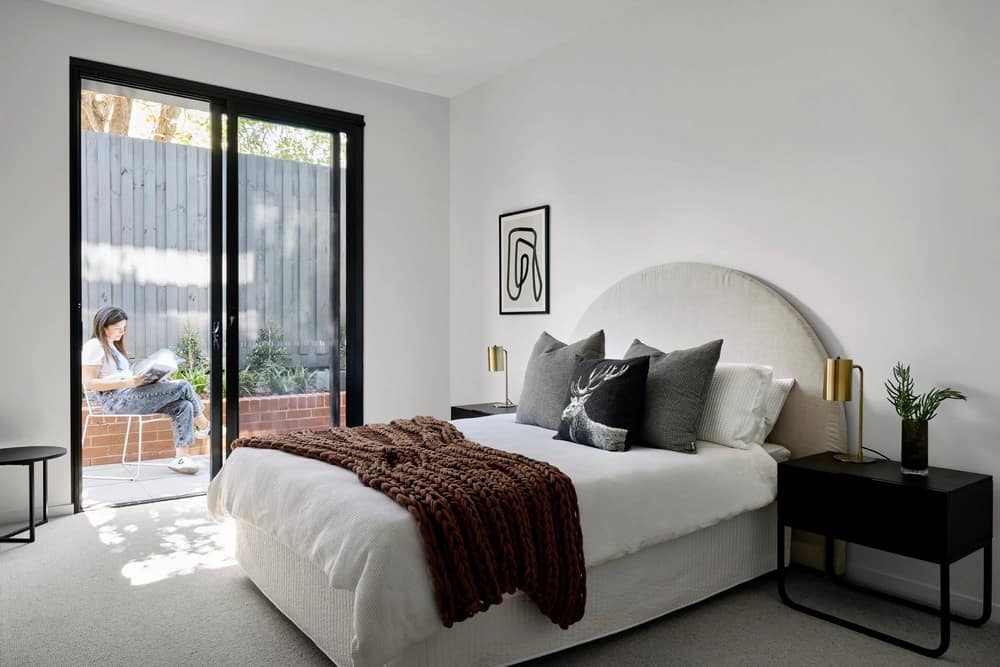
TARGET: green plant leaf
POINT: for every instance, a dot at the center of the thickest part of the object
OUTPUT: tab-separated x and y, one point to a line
908	405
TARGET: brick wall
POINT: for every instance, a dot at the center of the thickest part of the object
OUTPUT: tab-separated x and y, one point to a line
258	414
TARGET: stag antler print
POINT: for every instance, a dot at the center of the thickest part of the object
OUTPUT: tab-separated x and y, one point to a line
581	427
597	377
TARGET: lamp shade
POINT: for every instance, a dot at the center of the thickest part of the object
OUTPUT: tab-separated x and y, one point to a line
495	358
837	380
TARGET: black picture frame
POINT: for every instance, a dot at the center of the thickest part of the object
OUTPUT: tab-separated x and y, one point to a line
524	261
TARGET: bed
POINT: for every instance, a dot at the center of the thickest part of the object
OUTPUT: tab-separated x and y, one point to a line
345	564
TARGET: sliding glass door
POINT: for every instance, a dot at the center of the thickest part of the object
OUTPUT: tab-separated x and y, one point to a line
232	236
145	222
289	285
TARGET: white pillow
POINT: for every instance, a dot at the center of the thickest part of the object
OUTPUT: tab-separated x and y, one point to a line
776	397
734	411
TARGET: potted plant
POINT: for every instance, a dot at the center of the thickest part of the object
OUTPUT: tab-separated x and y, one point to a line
915	411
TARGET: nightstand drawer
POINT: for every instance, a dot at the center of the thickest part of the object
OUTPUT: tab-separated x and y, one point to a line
866	506
864	512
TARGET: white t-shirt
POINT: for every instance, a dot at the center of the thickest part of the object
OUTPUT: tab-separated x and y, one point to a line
93	354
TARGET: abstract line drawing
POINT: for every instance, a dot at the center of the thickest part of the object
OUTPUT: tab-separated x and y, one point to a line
524	261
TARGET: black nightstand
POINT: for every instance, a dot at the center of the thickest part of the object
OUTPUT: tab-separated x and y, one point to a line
479	410
940	518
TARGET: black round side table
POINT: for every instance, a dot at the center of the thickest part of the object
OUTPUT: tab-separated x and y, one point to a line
29	456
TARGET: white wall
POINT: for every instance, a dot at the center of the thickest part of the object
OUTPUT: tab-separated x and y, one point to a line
406	209
847	153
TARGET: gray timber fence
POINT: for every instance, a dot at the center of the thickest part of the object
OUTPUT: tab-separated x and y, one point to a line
145	234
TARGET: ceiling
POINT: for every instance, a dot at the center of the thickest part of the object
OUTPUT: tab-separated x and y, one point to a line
442	47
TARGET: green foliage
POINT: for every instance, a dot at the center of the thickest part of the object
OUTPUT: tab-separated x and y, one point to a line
192	362
298	378
275	140
900	390
269	355
289	381
198	378
188	350
248	383
922	407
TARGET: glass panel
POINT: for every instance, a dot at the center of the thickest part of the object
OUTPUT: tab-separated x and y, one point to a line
289	262
145	222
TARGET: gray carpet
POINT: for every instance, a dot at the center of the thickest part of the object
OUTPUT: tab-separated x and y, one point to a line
153	585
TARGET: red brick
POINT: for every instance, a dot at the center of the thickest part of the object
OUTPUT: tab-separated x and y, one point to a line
96	429
104	460
105	440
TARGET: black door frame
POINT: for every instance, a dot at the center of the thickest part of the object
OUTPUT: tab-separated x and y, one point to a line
233	103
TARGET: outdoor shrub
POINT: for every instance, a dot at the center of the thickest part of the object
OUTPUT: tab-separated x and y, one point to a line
298	379
198	378
269	355
289	381
276	384
248	383
189	352
192	363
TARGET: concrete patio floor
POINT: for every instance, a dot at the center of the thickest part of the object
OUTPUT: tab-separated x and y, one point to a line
155	482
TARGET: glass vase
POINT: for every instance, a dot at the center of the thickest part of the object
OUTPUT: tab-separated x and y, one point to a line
913	449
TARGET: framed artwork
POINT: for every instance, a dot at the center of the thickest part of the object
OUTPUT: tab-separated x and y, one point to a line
524	261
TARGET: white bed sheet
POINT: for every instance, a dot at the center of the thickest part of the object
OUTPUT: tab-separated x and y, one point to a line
364	542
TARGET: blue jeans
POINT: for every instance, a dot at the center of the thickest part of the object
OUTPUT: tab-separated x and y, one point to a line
175	398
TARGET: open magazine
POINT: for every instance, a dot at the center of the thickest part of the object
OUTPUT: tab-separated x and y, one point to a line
161	364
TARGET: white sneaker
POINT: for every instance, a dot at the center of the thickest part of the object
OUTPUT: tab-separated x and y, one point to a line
206	433
185	465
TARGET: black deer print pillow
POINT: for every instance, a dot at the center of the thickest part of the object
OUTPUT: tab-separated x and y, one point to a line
605	403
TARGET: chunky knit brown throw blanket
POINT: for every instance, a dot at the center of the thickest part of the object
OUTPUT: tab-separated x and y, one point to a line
492	522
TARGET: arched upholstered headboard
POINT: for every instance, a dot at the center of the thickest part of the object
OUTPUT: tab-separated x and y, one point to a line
681	305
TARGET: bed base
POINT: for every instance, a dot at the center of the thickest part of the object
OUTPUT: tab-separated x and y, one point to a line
621	594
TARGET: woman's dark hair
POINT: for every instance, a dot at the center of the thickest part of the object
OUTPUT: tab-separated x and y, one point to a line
105	317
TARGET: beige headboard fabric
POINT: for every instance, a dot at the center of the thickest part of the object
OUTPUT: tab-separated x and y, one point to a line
681	305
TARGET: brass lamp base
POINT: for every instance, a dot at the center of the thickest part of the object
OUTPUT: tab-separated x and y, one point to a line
853	458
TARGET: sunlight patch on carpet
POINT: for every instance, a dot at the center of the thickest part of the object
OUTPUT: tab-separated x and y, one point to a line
159	545
186	546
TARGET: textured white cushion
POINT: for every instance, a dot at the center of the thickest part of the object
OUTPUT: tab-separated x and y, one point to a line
776	396
734	412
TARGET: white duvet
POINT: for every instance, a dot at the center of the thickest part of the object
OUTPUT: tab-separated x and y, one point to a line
368	544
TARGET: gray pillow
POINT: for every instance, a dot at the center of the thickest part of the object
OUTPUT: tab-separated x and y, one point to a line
676	389
545	392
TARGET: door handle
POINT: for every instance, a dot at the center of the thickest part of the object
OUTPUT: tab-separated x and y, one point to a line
217	336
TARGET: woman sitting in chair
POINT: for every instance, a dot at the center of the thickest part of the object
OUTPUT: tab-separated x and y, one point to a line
106	371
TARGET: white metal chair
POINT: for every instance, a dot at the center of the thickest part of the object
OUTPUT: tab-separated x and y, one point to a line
94	411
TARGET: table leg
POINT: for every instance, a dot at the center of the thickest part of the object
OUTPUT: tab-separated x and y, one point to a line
45	491
919	606
943	612
987	585
828	565
31	502
781	563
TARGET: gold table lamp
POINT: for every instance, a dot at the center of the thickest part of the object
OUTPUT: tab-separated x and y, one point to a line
496	357
837	387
